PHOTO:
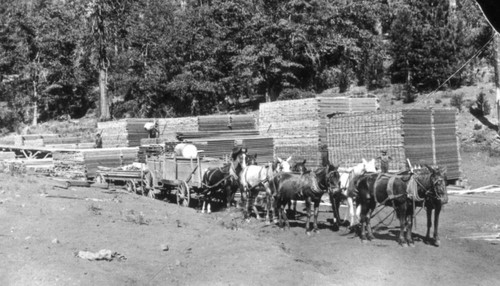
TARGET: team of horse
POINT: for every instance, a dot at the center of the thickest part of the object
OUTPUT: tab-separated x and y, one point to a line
281	183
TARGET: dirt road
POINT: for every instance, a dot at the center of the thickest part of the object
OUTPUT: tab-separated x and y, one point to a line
42	228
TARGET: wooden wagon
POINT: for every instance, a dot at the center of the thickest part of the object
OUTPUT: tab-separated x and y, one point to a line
135	180
179	176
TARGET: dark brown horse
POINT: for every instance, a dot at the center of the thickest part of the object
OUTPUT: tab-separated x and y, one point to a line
306	187
403	192
222	183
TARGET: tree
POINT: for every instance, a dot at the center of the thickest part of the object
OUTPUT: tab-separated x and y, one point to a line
104	19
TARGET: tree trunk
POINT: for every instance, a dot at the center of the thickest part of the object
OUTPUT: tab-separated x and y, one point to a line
35	105
103	96
496	43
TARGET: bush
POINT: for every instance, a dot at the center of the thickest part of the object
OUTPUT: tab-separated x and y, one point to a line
437	101
457	100
409	93
481	107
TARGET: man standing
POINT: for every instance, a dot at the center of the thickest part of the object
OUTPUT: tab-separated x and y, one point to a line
98	140
384	161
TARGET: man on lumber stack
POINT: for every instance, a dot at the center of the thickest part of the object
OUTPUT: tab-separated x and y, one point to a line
152	128
98	140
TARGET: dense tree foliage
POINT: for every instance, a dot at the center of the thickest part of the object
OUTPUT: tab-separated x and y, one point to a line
165	58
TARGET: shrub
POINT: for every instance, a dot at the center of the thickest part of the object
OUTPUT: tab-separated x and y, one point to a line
457	100
481	107
437	101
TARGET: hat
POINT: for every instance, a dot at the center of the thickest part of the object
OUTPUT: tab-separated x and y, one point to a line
237	151
383	151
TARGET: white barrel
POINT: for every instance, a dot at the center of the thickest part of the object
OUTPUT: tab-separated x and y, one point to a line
188	151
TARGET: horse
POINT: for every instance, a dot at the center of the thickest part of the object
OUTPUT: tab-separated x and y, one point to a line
299	168
348	180
253	179
403	192
225	179
305	186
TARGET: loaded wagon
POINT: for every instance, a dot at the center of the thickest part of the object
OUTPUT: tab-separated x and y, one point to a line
175	174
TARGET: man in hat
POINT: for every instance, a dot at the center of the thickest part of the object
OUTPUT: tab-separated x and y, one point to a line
98	140
384	161
237	152
152	129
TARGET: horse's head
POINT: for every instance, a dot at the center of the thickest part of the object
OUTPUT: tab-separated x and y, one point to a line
363	167
284	165
438	183
299	167
369	166
333	179
251	159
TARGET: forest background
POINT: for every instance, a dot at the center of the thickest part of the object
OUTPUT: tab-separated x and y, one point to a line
169	58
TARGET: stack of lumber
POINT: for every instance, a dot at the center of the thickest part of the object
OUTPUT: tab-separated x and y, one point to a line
220	149
354	137
169	126
262	146
423	136
299	126
123	133
200	135
226	122
447	145
6	155
82	164
150	151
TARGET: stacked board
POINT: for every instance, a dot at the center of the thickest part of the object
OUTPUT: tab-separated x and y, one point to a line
123	133
263	147
299	126
423	136
82	164
169	126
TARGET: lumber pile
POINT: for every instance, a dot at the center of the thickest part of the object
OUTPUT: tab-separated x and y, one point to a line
206	135
213	148
150	151
169	126
262	146
82	164
423	136
123	133
299	126
7	155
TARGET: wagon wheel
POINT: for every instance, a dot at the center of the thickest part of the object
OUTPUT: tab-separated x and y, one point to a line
147	185
183	194
131	186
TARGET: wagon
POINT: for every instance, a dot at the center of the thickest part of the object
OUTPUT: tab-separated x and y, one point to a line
179	176
135	179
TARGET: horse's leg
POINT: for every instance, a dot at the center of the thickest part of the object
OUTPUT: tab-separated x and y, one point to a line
254	207
203	205
268	205
209	205
401	213
294	209
308	210
409	226
363	221
350	206
371	207
335	209
428	211
316	213
437	211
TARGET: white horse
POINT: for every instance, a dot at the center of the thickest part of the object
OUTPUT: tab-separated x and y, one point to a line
347	178
253	178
